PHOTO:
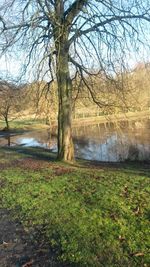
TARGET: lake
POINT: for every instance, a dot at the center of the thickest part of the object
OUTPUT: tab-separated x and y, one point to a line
103	142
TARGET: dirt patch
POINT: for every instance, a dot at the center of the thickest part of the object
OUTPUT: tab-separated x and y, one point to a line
18	248
33	164
26	163
58	171
6	165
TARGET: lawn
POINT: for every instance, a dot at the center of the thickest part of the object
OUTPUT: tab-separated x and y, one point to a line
24	124
92	215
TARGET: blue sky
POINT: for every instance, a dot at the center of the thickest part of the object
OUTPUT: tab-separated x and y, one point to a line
13	63
11	66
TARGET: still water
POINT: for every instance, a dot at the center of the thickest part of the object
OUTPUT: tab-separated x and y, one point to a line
102	142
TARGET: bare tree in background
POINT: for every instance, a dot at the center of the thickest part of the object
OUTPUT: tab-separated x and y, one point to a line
71	40
10	103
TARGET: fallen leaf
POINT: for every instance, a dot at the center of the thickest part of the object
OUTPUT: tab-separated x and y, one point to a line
28	264
139	254
5	244
137	211
121	238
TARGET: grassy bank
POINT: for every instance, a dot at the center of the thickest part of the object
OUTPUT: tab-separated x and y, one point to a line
25	124
92	215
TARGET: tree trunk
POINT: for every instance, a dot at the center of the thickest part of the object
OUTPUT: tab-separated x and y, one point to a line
65	143
7	123
61	35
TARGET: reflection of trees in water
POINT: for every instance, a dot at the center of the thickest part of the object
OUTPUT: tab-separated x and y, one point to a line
133	153
132	147
139	152
5	140
35	138
103	149
95	142
42	138
8	140
114	143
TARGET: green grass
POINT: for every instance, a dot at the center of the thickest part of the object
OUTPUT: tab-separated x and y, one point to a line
91	217
24	124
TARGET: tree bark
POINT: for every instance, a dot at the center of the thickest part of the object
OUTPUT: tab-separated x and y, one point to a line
61	36
65	142
7	123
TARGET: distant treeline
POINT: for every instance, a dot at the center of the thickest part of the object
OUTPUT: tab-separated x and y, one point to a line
108	94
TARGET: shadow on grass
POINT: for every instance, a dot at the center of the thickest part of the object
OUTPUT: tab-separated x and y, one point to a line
13	132
142	168
34	152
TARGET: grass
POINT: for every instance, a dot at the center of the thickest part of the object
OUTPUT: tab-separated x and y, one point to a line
92	216
24	124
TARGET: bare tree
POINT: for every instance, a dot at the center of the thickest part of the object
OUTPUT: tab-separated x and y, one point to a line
66	39
10	103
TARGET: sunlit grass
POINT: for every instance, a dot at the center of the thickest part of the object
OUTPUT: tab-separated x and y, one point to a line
24	124
92	217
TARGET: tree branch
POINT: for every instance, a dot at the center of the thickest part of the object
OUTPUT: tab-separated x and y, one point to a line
73	10
107	21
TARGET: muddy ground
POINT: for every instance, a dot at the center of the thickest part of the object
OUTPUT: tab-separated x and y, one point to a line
18	248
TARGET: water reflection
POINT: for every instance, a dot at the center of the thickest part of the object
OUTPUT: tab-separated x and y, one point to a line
114	149
29	141
96	142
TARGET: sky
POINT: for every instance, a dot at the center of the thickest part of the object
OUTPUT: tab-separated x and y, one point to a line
11	65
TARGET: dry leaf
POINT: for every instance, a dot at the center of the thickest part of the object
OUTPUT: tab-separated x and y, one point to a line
5	244
137	211
121	238
139	254
28	264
